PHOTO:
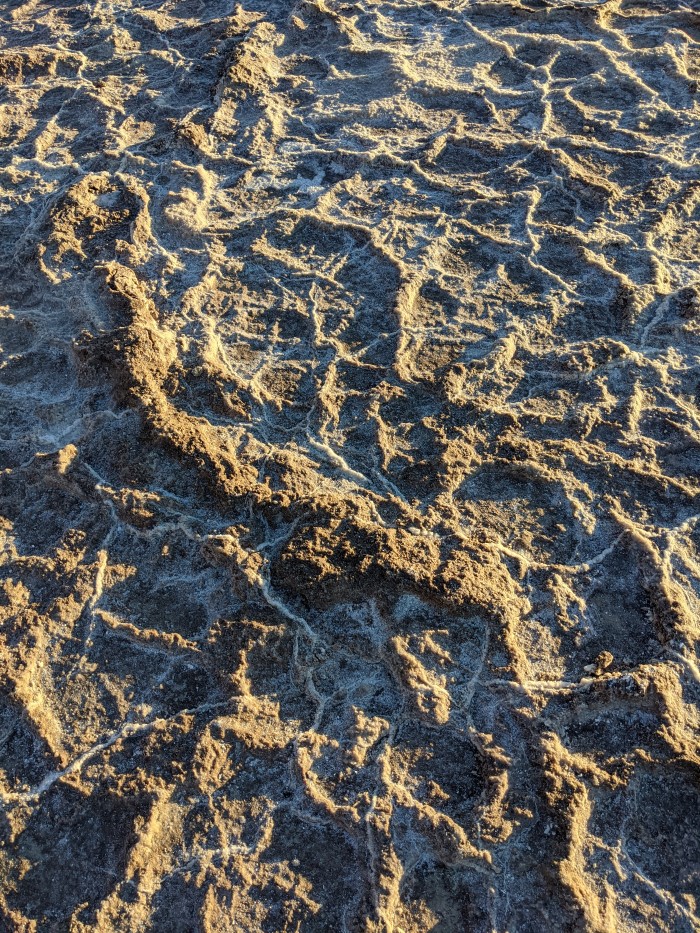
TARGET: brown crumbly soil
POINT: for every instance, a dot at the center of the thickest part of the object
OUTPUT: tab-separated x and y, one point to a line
350	441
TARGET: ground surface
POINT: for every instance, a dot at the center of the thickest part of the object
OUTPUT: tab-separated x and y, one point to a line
350	441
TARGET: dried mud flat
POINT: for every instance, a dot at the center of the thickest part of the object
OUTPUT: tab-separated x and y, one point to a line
350	454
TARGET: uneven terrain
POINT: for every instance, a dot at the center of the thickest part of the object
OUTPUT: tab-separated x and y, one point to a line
350	442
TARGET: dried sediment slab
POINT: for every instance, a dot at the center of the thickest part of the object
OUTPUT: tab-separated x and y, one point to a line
350	443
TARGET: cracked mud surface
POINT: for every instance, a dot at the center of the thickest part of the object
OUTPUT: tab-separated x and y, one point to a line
350	455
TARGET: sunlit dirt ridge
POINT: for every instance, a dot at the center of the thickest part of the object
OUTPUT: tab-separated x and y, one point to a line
350	448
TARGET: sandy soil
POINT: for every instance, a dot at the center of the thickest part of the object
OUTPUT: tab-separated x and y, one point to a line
350	466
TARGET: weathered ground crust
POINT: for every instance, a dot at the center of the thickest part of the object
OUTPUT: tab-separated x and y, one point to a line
350	455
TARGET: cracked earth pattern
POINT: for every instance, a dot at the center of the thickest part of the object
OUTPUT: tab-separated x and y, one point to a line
350	466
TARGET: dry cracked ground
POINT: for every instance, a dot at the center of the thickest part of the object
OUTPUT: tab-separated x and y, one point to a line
350	383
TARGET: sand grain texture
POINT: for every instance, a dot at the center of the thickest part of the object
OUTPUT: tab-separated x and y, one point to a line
350	466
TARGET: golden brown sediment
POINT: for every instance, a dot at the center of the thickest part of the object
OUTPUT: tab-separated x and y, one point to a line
350	394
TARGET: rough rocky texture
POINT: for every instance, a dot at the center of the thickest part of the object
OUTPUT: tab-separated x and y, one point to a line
350	457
